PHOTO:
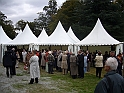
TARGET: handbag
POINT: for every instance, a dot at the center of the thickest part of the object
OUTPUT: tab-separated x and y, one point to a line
25	67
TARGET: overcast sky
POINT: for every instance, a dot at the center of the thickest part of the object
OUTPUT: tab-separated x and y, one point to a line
27	10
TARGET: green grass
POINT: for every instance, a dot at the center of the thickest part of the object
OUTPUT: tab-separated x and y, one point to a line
59	83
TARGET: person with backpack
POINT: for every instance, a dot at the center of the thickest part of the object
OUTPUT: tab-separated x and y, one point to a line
112	81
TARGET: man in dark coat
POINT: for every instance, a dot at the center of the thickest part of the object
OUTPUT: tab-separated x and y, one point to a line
80	61
13	61
7	62
112	82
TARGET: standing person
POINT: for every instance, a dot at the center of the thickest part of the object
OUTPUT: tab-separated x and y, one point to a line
7	62
55	57
68	61
88	61
99	64
43	63
40	56
34	67
119	68
50	59
64	64
85	62
14	58
112	81
46	54
73	66
24	53
59	61
80	61
28	56
105	56
120	63
18	59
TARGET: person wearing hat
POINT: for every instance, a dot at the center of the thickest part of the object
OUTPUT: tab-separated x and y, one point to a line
50	59
112	81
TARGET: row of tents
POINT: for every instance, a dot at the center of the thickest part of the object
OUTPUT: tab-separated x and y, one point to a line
97	37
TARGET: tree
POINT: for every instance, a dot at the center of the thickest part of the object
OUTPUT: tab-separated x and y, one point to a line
44	18
20	25
7	25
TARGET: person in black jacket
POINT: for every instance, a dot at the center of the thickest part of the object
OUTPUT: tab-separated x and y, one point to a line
7	62
13	61
80	61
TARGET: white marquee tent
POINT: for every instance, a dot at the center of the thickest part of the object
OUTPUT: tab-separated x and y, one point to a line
59	37
43	36
3	39
25	38
98	36
71	34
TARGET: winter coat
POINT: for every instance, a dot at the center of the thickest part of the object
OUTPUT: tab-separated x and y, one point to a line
64	64
80	60
99	61
34	67
116	83
59	61
73	65
43	63
7	59
50	59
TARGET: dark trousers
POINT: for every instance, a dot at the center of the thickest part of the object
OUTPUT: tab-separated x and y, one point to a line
13	70
50	68
81	72
98	71
56	64
8	71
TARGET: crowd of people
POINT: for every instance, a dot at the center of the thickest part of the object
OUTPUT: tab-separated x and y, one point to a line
61	61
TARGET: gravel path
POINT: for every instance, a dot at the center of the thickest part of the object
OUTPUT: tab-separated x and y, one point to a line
17	83
6	84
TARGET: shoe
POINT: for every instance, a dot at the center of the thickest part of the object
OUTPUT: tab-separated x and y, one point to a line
36	80
31	81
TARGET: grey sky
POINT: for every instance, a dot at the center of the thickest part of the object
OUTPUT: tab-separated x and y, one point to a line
27	10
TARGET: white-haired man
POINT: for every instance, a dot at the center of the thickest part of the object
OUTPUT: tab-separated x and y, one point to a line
112	82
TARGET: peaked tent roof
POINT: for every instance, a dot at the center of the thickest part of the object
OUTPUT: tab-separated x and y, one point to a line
3	37
98	36
59	37
19	32
72	35
25	38
43	36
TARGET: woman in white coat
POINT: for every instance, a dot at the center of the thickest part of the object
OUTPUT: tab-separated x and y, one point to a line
34	68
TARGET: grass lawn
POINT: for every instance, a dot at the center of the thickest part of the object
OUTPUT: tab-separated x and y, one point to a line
58	83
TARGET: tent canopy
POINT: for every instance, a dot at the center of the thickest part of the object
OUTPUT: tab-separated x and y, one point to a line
25	38
3	37
72	35
98	36
43	36
59	37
